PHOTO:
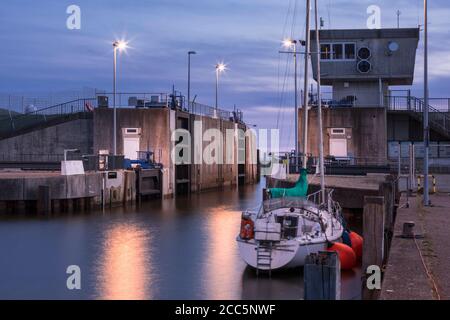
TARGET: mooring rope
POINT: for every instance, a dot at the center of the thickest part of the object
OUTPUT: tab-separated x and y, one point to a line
430	276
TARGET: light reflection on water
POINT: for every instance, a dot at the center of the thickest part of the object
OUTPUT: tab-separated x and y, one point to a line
220	280
180	248
124	266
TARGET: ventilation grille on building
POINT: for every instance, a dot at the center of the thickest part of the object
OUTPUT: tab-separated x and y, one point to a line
364	53
364	65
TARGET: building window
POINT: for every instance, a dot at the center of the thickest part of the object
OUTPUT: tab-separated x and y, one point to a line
349	51
325	50
338	51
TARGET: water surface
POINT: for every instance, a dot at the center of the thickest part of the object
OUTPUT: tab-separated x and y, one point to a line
181	248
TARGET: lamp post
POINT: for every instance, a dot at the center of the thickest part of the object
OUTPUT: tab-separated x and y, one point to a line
189	77
220	67
117	45
289	43
426	128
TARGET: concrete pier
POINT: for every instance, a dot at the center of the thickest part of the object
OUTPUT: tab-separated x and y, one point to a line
418	268
48	191
348	190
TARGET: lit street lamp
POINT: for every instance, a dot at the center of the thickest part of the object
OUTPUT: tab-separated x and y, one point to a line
189	77
220	67
288	44
117	45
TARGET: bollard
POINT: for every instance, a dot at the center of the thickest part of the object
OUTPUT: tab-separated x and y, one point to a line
322	276
408	230
373	233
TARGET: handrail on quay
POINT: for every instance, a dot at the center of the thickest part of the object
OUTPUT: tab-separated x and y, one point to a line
11	122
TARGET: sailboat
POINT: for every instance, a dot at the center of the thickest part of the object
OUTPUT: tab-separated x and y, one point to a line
292	224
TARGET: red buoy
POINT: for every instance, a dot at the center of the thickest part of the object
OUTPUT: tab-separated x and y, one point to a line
357	244
346	255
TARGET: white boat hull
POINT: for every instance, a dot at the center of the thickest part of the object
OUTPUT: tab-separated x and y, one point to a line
287	254
309	230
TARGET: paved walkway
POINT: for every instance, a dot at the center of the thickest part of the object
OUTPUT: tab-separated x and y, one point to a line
420	269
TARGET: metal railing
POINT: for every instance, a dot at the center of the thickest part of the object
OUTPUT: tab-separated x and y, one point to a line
18	121
138	99
11	121
437	118
205	110
28	101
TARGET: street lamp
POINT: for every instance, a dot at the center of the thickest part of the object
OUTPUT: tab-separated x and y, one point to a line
292	44
189	77
220	67
117	45
426	128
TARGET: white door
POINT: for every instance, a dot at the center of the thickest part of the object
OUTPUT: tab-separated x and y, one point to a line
338	147
130	147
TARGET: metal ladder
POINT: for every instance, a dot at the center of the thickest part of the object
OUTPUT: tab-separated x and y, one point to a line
264	256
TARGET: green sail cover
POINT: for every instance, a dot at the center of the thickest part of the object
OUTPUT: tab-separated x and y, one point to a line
299	190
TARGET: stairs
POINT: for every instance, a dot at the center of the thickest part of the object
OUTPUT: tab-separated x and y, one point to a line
264	256
439	121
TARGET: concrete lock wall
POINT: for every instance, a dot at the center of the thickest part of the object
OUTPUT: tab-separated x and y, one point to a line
155	134
41	144
365	132
156	126
204	175
153	123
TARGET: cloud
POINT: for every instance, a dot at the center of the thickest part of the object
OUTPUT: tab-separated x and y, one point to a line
39	53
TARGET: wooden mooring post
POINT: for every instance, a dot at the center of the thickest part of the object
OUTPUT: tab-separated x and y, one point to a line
373	245
322	276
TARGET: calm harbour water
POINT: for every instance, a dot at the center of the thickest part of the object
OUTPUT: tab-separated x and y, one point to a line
180	248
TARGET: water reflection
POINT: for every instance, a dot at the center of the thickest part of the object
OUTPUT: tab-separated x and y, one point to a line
282	285
222	256
181	248
123	272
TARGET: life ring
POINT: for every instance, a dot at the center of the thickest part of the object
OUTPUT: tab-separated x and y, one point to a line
247	229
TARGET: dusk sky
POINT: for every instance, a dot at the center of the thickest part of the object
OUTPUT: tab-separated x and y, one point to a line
39	53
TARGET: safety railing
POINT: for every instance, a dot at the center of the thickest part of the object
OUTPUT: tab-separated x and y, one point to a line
205	110
137	99
437	118
11	121
18	121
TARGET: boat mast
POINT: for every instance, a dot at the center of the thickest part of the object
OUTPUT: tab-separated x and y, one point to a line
319	103
305	89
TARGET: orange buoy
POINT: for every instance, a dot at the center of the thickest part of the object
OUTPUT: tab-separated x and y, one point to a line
357	244
346	255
